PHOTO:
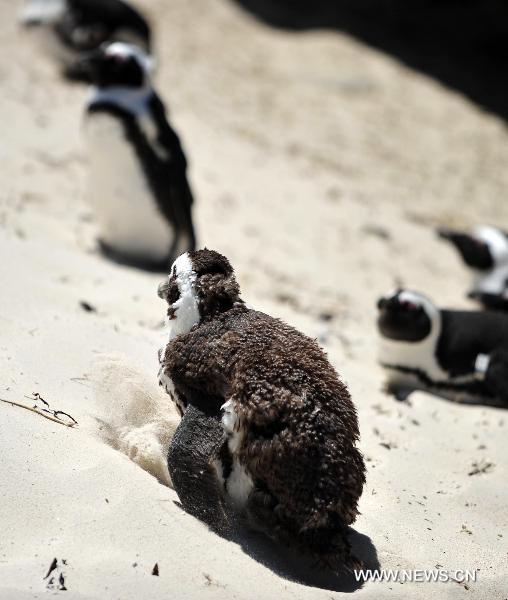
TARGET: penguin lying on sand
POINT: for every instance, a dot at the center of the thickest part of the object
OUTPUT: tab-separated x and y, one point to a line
138	186
460	355
485	251
268	430
75	27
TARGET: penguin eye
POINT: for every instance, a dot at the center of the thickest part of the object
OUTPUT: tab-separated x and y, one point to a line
173	292
406	304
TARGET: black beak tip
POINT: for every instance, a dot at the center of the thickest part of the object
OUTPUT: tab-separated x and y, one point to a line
444	233
29	23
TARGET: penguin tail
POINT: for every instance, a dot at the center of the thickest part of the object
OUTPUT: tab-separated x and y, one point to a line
134	415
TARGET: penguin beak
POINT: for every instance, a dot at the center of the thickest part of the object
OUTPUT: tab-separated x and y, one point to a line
163	289
85	69
31	22
448	234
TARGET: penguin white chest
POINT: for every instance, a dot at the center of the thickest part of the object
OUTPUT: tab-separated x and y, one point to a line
127	214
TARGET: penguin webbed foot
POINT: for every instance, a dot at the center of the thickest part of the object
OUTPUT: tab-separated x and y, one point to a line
153	266
260	512
196	443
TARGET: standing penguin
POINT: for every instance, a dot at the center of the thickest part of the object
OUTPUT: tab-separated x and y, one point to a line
460	355
268	429
138	186
485	252
73	28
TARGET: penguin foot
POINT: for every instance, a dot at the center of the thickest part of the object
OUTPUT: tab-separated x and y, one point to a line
260	512
144	264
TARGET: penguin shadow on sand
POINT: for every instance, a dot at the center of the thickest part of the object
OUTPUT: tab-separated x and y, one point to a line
460	44
299	568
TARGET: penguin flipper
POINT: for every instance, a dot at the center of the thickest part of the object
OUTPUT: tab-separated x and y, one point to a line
196	443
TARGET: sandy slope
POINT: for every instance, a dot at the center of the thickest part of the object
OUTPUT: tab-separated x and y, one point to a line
320	167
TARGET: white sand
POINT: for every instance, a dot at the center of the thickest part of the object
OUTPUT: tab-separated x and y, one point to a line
300	144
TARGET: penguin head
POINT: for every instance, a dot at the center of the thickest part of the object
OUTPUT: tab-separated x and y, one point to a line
407	316
201	285
118	65
483	249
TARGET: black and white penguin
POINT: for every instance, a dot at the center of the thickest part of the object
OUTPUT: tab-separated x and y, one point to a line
138	187
460	355
268	430
73	28
485	252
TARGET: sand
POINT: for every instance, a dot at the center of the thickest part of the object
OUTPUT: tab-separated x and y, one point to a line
320	168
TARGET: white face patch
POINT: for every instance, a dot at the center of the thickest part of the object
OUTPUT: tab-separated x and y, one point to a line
44	12
124	50
186	307
496	240
495	280
186	315
415	355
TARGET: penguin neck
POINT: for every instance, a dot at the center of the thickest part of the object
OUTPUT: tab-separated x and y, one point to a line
420	355
133	100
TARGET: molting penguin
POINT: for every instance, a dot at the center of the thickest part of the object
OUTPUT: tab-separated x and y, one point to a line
485	251
138	186
460	355
268	430
75	27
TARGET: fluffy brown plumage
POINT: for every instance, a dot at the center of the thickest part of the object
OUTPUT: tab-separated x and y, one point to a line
297	426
